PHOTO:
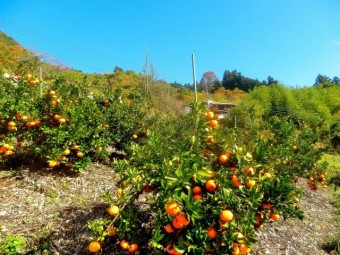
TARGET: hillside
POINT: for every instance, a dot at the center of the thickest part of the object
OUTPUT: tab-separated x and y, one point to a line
10	52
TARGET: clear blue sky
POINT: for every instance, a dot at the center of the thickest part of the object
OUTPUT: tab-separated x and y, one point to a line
290	40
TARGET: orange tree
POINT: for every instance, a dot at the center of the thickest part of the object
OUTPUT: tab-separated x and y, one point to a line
211	188
63	124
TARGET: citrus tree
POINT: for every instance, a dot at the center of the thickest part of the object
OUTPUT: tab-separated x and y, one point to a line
212	187
64	124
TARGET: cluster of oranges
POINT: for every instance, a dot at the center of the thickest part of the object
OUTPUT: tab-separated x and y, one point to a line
213	122
74	151
316	180
7	150
31	80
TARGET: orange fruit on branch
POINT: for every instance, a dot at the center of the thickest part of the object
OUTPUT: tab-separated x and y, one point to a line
172	208
274	216
132	248
226	215
124	245
213	123
223	158
182	219
210	115
94	246
113	210
211	232
211	185
198	197
250	183
170	249
80	154
197	190
168	228
177	224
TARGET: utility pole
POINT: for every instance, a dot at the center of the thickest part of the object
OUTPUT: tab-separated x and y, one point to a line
146	71
194	75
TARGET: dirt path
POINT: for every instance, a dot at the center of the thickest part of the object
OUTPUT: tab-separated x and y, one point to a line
51	209
295	237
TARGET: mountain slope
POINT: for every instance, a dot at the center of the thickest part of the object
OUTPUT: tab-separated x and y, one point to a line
10	52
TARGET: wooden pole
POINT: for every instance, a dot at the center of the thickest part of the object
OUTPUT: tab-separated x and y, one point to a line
194	75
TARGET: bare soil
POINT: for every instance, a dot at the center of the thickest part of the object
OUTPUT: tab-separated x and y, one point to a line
51	209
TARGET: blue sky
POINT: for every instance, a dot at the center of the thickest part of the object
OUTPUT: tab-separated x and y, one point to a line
290	40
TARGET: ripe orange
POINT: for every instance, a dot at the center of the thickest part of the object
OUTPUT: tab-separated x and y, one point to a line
53	163
249	170
213	123
124	245
267	176
133	248
75	147
11	123
168	228
9	153
56	117
226	216
62	121
211	232
172	208
266	206
223	158
236	249
30	124
211	185
250	183
274	216
170	249
210	115
106	126
94	246
52	93
244	249
198	197
66	152
119	192
54	102
80	154
182	219
197	190
235	181
177	224
113	210
4	147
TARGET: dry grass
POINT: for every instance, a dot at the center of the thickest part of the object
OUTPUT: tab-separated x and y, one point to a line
51	210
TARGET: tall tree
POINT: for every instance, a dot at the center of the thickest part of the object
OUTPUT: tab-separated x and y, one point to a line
321	79
234	79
